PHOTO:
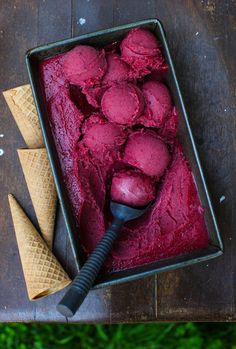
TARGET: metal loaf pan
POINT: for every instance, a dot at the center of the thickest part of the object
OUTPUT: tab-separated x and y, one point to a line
101	38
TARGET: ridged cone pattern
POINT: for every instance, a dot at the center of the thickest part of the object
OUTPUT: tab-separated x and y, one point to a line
39	179
21	103
43	273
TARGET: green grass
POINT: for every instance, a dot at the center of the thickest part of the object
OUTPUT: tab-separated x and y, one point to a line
140	336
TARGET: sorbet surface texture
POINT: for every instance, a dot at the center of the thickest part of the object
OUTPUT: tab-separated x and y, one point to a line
114	126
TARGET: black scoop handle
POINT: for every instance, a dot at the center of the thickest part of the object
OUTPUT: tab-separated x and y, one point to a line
82	283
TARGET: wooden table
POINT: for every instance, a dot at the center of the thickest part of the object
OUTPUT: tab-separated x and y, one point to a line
202	39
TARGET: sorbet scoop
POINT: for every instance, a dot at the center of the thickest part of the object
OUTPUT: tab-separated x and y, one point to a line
82	283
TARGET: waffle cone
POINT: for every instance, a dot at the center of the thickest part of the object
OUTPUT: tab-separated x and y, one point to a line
43	273
20	102
39	179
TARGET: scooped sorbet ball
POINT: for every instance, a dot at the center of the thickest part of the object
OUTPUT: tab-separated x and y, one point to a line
141	49
158	103
132	188
117	70
147	152
84	65
103	138
122	103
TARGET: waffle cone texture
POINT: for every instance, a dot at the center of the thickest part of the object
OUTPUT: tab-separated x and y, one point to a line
43	273
21	103
40	183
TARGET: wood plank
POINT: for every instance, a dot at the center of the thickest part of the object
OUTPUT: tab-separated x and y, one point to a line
24	24
89	15
206	291
15	39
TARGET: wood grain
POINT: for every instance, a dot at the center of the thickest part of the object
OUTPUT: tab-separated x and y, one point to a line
202	39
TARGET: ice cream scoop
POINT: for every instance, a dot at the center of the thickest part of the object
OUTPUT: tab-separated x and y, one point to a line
122	103
132	188
84	65
147	152
82	283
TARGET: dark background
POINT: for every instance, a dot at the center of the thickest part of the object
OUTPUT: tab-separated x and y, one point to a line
202	40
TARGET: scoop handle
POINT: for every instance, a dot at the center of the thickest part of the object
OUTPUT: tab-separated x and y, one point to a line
82	283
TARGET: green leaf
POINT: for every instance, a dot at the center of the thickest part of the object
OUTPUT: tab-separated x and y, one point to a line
132	336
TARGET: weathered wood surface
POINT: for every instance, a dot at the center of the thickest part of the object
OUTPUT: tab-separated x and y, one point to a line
202	40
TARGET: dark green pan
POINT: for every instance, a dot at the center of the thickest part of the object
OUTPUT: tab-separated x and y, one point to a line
100	38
